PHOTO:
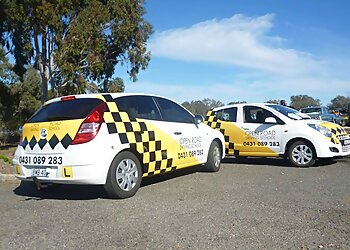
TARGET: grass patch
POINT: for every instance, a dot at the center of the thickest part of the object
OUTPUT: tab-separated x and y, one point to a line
6	159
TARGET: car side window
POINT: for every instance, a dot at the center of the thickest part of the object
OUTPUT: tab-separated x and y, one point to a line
229	114
253	114
138	107
173	112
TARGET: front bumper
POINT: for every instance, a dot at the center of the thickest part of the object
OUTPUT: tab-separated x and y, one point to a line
328	149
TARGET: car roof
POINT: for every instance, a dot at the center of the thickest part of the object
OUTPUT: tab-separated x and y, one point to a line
244	104
95	95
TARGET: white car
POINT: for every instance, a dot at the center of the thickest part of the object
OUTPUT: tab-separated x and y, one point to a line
271	130
113	140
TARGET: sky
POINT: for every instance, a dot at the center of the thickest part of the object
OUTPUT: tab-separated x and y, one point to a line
247	50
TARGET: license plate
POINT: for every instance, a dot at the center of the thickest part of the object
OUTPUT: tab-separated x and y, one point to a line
40	172
345	142
40	160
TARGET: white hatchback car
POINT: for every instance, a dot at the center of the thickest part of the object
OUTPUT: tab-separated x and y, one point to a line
113	140
271	130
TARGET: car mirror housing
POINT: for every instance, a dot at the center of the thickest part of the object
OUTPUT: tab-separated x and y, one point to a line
270	120
198	119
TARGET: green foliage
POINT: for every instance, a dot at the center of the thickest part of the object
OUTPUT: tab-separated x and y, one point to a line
274	101
6	159
302	101
236	102
114	86
18	99
203	106
26	98
339	102
75	44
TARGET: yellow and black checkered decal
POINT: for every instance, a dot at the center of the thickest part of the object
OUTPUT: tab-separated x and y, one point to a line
58	133
145	138
337	131
235	137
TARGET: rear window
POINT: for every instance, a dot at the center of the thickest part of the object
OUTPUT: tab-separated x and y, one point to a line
65	110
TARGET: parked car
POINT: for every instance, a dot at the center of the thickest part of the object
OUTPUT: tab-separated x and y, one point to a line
322	113
271	130
113	140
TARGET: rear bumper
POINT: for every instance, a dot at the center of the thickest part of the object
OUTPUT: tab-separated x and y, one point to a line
81	164
80	174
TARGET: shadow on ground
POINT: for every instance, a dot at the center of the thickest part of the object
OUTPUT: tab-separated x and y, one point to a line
277	162
85	192
88	192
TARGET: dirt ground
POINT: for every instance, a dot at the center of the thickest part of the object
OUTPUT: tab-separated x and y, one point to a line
8	151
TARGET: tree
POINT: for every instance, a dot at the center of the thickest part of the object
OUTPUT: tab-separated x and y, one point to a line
18	99
75	44
236	102
275	101
203	106
302	101
339	102
25	99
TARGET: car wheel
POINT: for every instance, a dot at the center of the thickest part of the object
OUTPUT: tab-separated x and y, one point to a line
124	176
214	158
301	154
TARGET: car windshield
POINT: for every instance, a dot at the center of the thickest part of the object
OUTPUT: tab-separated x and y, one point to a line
311	110
289	112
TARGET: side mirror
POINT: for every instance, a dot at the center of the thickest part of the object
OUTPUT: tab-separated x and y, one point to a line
198	119
270	120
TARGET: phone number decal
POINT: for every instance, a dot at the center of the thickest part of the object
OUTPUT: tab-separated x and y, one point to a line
191	153
261	144
40	160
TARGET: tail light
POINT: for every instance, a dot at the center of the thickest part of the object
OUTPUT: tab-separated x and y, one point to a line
68	98
90	126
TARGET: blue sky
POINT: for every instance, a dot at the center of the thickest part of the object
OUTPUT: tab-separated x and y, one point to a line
245	50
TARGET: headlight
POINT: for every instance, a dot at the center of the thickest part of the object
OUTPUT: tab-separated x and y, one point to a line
321	129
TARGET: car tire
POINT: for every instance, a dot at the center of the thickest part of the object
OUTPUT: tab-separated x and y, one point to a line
124	176
214	158
301	154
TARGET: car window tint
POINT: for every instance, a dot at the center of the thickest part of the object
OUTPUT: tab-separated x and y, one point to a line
65	110
173	112
253	114
229	114
138	107
311	110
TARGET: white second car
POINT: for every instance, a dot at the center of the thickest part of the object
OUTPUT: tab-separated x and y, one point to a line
271	130
113	140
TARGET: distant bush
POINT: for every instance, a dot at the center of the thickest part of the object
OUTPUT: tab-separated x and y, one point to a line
8	137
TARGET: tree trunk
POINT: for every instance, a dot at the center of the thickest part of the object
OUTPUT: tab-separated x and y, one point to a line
44	78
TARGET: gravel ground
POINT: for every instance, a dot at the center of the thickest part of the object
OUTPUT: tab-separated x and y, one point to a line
248	204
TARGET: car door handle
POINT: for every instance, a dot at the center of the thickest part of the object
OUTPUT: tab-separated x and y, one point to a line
177	133
245	128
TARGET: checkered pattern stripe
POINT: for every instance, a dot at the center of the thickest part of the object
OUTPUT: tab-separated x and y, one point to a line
147	142
213	122
337	132
65	141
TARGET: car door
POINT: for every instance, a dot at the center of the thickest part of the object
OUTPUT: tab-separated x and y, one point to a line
191	139
260	138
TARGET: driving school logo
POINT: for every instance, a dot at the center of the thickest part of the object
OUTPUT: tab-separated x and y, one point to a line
43	133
